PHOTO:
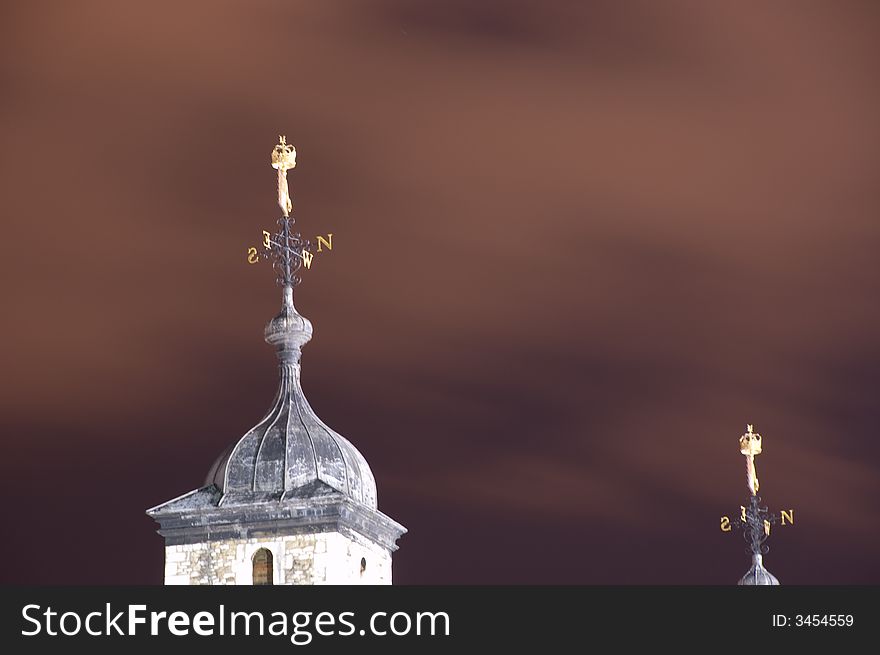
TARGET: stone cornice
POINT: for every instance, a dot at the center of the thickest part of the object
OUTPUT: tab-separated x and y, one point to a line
333	513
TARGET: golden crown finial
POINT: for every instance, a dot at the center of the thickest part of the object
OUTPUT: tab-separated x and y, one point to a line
750	442
283	159
750	445
284	155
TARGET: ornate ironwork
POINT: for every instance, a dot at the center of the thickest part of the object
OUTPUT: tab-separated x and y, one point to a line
756	526
287	249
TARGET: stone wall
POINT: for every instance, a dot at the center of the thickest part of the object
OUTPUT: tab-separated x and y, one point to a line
322	558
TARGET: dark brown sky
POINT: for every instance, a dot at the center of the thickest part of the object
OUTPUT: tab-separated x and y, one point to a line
578	246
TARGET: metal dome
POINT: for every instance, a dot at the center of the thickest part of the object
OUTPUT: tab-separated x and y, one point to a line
291	453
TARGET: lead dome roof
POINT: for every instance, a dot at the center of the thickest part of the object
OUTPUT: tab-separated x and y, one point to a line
291	453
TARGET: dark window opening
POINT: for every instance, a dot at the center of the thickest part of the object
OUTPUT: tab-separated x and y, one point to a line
262	567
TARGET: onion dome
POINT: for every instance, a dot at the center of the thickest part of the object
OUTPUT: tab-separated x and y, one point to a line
291	453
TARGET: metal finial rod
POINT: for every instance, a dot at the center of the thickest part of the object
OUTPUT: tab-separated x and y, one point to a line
757	526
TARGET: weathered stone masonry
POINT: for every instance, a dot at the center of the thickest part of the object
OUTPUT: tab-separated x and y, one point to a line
327	558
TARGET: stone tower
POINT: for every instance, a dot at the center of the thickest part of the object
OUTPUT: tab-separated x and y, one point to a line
292	502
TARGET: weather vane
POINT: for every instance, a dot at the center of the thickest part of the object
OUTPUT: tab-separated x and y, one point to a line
755	520
288	250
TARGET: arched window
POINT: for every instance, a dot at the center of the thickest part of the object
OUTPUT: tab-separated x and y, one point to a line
262	567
